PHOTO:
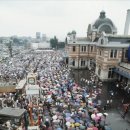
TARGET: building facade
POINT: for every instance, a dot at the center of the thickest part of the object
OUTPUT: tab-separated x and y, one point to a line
102	49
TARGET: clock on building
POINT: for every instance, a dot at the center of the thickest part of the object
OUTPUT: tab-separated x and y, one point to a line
31	80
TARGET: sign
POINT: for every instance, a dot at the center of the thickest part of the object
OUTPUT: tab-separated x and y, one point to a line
31	80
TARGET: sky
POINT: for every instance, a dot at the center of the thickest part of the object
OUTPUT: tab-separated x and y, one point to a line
57	17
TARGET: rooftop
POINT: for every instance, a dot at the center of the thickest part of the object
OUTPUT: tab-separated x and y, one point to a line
114	44
12	112
21	84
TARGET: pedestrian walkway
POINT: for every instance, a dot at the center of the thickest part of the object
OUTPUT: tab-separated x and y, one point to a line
127	117
116	121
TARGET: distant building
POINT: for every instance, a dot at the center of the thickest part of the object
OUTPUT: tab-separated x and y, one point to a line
44	38
41	45
38	35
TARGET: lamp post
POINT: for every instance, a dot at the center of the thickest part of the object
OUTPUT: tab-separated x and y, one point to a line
78	61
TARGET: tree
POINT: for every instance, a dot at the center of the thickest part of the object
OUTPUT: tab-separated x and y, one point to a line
54	42
9	45
66	40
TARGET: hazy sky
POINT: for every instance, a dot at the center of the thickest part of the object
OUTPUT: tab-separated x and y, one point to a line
57	17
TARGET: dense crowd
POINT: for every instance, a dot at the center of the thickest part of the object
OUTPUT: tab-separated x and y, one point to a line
63	104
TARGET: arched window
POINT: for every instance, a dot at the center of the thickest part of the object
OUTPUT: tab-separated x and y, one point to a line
102	41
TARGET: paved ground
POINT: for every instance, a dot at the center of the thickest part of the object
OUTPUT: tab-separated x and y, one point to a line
114	119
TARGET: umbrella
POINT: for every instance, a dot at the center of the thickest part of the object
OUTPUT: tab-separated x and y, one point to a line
72	120
99	114
82	127
77	124
49	100
59	129
93	116
106	114
67	114
68	124
68	118
77	120
81	122
54	117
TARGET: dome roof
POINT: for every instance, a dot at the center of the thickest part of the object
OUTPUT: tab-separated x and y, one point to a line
101	20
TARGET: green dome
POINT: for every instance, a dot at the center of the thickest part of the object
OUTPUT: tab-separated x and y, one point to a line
101	20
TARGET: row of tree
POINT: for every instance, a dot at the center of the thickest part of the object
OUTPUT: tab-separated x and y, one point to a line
56	44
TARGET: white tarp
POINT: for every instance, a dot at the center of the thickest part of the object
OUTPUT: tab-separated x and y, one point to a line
32	90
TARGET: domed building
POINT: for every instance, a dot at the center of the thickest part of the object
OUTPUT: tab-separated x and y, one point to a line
102	24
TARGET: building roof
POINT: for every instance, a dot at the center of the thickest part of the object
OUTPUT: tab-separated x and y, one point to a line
21	84
81	40
12	112
82	43
114	44
119	38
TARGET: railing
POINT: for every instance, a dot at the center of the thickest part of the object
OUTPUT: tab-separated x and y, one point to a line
125	65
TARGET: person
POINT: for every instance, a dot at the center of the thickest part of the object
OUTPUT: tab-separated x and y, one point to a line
126	109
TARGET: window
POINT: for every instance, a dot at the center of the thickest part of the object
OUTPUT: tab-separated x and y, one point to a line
83	49
99	70
100	52
73	48
82	62
73	62
113	54
102	41
126	54
91	48
110	73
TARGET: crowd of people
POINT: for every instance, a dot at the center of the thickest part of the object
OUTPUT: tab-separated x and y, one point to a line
14	69
63	104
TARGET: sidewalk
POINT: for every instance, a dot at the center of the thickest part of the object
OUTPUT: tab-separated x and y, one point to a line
116	121
127	118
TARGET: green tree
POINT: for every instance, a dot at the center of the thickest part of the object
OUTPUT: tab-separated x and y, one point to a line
66	41
54	42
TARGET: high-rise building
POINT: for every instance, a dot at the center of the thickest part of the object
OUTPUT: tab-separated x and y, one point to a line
44	37
38	35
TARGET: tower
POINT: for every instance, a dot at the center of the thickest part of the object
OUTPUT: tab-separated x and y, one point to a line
127	23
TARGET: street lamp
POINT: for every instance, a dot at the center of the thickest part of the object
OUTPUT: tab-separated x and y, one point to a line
78	61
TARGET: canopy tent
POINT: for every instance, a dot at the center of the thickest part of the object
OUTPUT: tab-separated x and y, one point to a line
11	112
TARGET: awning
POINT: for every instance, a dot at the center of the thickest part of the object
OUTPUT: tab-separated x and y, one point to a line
122	72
